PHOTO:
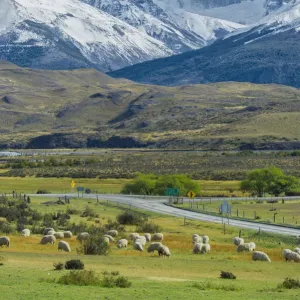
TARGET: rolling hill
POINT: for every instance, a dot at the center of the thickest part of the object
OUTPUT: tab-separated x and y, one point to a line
86	108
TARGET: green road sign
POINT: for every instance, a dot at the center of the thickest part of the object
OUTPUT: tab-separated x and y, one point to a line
172	192
80	189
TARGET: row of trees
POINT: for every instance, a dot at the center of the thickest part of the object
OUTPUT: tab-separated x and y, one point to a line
269	180
259	182
150	184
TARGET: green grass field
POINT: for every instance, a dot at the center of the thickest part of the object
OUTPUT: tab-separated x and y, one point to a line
28	266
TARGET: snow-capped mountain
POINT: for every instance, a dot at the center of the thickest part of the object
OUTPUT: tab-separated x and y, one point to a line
177	29
240	11
268	52
62	34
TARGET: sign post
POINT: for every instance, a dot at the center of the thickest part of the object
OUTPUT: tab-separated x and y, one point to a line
191	195
80	189
172	192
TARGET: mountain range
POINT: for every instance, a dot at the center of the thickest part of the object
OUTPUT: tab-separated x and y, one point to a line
267	52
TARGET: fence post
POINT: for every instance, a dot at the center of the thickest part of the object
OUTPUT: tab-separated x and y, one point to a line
259	234
224	228
240	233
237	212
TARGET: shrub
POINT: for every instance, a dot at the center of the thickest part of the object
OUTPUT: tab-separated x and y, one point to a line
72	211
211	286
290	283
59	266
149	227
95	245
227	275
41	191
88	212
74	264
80	278
131	218
113	279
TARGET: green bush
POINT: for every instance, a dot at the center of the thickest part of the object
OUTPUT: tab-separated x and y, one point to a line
81	278
227	275
131	218
207	285
290	283
113	279
59	266
41	191
74	264
89	212
149	227
95	245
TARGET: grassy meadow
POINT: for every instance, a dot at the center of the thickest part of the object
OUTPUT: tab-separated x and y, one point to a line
29	272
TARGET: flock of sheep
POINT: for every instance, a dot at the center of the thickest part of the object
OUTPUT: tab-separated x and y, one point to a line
201	243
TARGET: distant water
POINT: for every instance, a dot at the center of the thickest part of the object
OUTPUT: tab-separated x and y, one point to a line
9	153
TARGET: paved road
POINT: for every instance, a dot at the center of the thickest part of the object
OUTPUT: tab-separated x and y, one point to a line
159	207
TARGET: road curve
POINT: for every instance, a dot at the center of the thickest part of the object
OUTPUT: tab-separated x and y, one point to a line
159	207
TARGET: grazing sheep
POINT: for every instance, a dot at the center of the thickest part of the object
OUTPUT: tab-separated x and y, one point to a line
157	237
285	252
83	236
197	248
205	239
106	239
237	241
148	237
48	239
195	235
4	241
297	250
133	236
163	251
112	233
25	232
59	235
111	239
153	247
138	246
51	232
197	240
46	230
205	248
142	240
123	243
252	246
292	256
68	234
246	247
258	255
64	246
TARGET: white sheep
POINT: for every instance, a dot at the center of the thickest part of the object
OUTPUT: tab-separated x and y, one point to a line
148	236
4	241
138	246
59	235
46	230
123	243
111	239
292	256
285	252
157	237
297	250
112	233
205	248
83	236
25	232
142	240
106	239
197	240
64	246
51	232
68	234
261	256
205	239
195	235
48	239
153	247
133	236
197	248
237	241
246	247
163	251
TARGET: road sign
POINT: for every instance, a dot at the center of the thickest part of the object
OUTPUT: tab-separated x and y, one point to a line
225	208
80	189
172	192
191	194
73	184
